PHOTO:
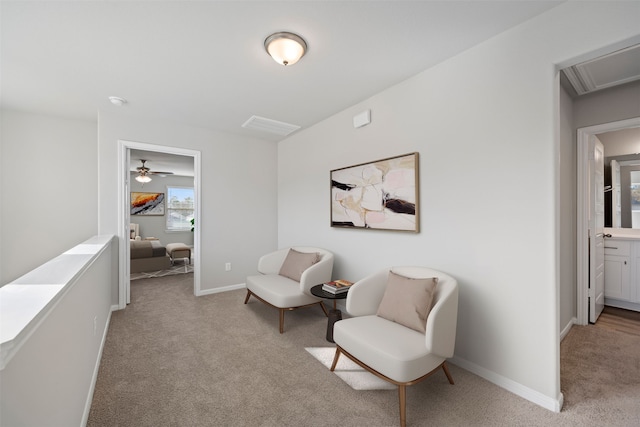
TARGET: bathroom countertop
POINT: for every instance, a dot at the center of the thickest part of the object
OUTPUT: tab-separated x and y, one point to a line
623	233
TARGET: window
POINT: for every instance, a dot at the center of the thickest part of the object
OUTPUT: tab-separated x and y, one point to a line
179	208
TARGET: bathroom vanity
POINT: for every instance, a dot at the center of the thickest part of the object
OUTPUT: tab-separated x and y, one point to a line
622	268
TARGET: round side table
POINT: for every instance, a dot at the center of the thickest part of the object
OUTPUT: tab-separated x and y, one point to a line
334	314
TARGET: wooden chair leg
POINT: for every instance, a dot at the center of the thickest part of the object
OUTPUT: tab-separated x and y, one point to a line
326	313
281	320
447	373
248	296
402	397
335	359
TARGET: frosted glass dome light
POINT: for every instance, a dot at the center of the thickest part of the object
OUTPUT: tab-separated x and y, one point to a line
285	48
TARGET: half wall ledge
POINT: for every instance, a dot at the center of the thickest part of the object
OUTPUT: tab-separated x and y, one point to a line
27	301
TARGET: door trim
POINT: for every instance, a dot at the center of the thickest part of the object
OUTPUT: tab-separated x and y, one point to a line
583	135
124	215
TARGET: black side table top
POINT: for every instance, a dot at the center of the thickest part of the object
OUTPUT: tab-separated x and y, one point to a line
319	292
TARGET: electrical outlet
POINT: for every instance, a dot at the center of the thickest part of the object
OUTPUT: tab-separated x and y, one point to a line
227	266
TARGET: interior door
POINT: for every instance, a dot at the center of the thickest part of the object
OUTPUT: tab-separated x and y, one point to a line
616	205
596	229
127	220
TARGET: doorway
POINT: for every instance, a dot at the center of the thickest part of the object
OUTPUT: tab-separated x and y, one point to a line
124	220
584	208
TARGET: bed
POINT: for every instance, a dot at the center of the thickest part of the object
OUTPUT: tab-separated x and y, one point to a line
148	255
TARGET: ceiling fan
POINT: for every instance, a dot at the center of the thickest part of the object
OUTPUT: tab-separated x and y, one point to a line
144	173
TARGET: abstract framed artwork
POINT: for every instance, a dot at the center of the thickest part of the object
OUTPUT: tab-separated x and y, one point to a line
379	195
147	203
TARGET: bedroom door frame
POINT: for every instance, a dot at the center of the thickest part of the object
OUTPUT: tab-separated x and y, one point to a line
124	217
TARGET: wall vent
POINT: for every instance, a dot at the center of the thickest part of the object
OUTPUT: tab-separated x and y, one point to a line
269	125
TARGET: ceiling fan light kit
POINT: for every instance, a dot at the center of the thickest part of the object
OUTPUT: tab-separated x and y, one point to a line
117	101
144	172
285	48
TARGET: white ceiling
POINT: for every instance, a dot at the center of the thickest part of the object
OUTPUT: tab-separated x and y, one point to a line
203	63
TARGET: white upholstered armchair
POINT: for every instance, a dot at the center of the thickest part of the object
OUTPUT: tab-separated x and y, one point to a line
388	334
286	277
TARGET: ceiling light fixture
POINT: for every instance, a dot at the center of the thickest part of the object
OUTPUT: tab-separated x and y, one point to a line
116	100
285	48
143	178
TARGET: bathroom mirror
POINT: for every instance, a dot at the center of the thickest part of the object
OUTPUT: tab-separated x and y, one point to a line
622	178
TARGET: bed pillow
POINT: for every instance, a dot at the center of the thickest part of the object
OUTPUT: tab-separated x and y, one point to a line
297	262
407	301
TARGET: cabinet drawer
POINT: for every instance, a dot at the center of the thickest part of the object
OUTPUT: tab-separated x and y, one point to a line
617	247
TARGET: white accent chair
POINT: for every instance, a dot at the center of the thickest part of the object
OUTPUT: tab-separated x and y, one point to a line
285	293
391	351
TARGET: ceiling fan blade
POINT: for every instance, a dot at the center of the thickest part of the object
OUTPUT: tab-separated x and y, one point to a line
144	170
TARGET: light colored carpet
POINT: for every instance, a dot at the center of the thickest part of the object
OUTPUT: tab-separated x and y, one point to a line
173	359
349	371
601	372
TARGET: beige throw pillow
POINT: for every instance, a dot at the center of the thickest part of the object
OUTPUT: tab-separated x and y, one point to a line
408	301
297	262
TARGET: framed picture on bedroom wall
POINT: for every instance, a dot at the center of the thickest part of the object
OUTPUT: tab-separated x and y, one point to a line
382	195
147	203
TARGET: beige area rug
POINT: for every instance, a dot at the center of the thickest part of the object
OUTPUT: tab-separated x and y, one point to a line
348	371
180	267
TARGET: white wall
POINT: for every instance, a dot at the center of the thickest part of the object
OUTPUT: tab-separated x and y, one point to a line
156	225
618	103
49	184
568	214
239	215
477	120
605	106
49	381
622	142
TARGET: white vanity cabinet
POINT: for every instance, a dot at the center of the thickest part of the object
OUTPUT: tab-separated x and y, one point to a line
622	273
617	269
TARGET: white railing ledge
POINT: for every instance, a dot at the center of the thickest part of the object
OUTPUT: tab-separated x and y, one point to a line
25	302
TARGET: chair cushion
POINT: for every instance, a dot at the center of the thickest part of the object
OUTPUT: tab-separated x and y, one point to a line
388	347
296	263
407	301
279	291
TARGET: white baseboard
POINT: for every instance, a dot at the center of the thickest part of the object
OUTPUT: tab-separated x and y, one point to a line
222	289
566	329
525	392
96	369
